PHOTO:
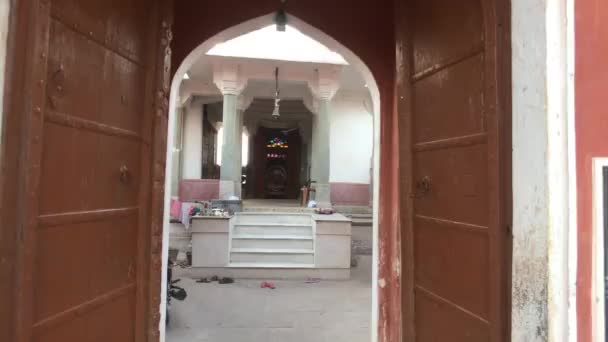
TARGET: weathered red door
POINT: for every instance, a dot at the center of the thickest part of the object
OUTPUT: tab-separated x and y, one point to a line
452	116
95	92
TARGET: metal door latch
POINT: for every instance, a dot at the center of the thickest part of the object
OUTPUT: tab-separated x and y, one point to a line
124	174
423	187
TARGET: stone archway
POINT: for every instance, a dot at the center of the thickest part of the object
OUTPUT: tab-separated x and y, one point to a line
333	45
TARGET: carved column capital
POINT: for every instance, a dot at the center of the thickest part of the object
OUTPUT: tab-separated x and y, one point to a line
243	102
228	77
311	104
325	82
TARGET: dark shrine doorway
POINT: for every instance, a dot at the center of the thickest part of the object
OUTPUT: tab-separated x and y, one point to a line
274	170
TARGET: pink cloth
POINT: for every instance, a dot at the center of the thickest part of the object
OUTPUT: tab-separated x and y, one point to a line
203	190
176	208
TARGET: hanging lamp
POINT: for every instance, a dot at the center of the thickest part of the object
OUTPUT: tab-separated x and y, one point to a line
280	18
275	113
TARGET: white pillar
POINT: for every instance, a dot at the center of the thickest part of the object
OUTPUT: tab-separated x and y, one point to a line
544	213
177	151
321	153
228	79
324	86
243	102
192	140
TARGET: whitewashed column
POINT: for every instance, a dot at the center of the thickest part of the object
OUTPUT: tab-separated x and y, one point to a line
324	86
243	103
228	79
192	140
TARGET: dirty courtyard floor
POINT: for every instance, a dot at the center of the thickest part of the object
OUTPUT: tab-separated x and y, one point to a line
294	312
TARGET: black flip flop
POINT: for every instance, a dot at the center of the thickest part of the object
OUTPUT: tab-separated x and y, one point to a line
226	280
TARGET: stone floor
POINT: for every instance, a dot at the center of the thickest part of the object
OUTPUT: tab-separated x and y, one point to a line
294	312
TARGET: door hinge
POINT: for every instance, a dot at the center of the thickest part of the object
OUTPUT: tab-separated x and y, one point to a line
509	229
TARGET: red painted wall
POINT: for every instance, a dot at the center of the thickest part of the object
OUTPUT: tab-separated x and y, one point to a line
591	89
357	194
365	27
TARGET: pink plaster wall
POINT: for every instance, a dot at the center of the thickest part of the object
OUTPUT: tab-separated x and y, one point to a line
591	87
350	194
191	190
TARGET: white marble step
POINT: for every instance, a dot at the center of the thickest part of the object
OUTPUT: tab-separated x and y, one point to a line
273	250
273	229
271	237
271	256
272	218
269	265
273	241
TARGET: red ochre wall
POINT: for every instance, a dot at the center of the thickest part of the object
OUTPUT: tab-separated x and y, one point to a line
365	27
591	93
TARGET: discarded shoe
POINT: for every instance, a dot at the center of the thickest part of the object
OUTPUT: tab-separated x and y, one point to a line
226	280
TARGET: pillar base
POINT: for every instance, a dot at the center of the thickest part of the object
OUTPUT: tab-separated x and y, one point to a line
323	195
229	188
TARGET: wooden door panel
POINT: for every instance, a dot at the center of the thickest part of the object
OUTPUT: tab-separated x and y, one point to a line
78	262
449	103
75	331
116	24
66	152
124	30
75	67
444	32
84	168
122	96
459	180
438	321
119	315
109	86
94	327
452	262
88	18
116	153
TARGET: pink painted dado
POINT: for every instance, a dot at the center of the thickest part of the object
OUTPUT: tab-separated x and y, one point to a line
350	194
192	190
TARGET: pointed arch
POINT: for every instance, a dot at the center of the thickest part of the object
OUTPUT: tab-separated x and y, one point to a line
352	59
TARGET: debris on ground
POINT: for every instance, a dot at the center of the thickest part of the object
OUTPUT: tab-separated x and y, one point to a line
226	280
223	280
266	284
313	280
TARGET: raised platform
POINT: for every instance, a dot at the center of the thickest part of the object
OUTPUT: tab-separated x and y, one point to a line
274	206
272	244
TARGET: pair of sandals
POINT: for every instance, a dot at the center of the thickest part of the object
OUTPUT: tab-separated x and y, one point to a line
266	284
223	280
